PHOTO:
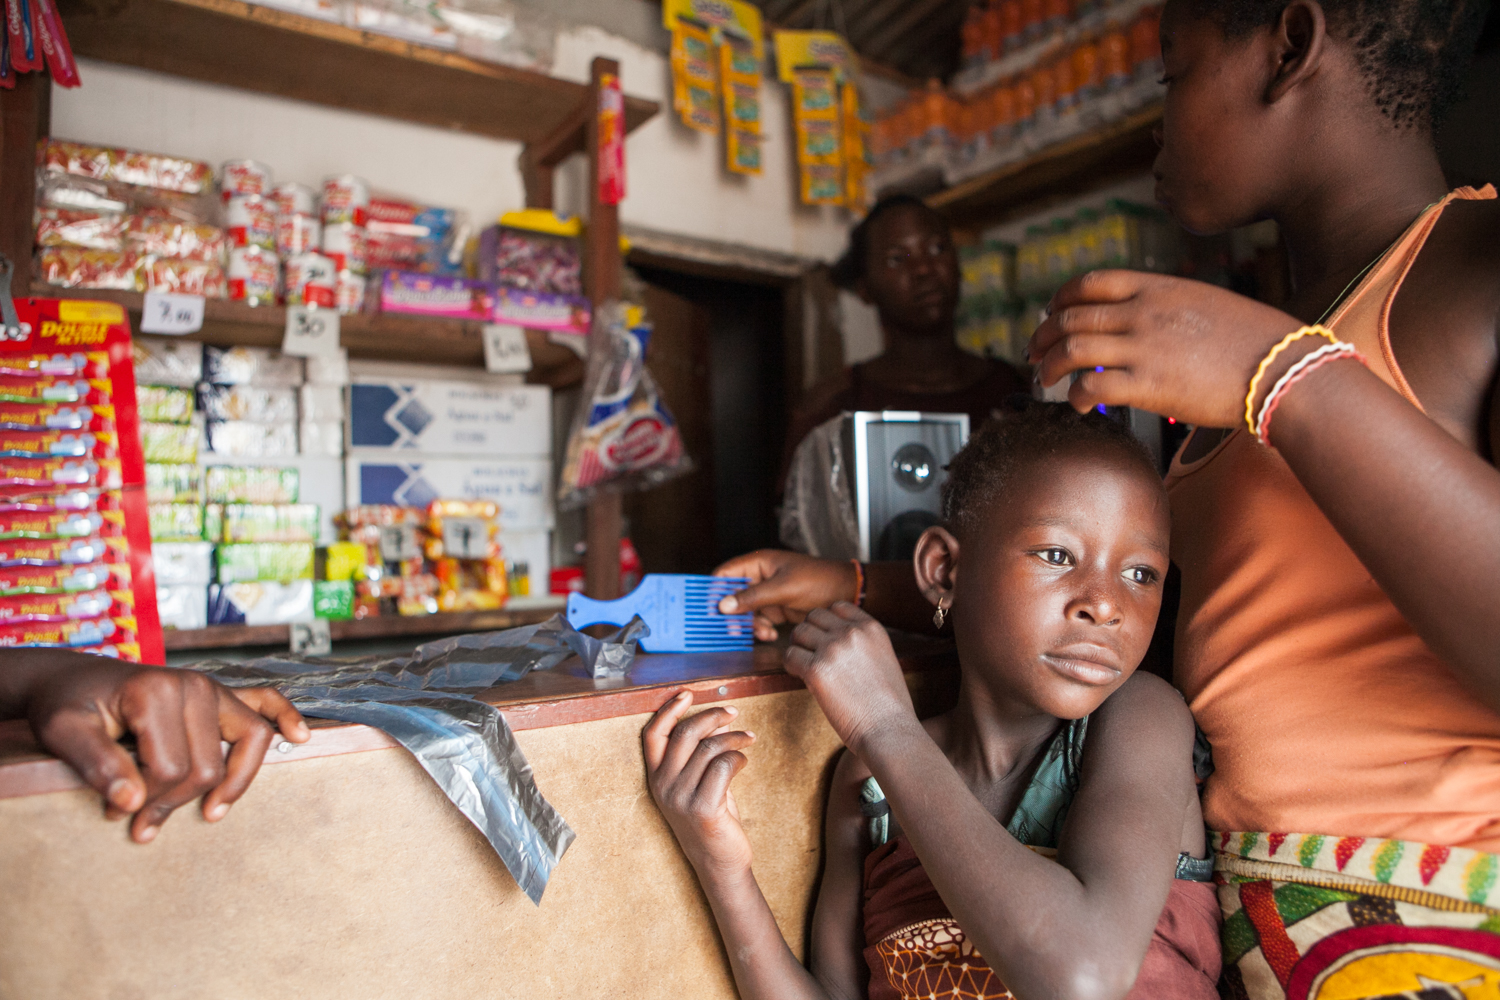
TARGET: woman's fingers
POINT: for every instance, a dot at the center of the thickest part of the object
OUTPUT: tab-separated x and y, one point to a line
1108	285
1084	352
1111	387
659	729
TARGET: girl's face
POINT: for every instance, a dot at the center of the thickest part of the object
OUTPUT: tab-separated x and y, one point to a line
1056	591
1220	141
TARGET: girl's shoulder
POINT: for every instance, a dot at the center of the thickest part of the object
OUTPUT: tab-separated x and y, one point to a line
1145	712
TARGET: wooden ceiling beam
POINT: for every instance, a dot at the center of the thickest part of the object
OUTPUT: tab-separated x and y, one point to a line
913	15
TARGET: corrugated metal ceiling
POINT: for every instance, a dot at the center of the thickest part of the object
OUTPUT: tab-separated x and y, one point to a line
916	38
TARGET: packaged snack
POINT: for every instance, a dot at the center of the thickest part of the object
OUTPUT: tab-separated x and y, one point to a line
116	631
47	500
249	522
74	267
528	260
168	173
63	524
242	439
164	403
63	551
311	280
346	198
695	77
471	584
170	442
183	563
417	594
58	443
251	366
333	599
321	438
167	361
175	482
349	295
740	71
625	438
432	295
79	364
256	403
298	233
95	230
254	274
250	484
542	310
182	606
63	579
31	473
185	277
344	560
21	609
54	389
176	522
251	561
244	177
344	244
213	522
251	221
56	416
165	236
292	198
260	603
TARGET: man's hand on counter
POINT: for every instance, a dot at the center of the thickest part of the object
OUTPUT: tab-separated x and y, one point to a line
80	706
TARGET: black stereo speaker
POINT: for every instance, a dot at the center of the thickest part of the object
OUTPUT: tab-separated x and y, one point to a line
900	462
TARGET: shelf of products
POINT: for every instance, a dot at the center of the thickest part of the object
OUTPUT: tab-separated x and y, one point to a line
276	52
383	627
382	337
1070	168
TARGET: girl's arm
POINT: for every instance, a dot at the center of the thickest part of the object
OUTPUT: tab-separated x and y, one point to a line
1418	508
689	765
1078	929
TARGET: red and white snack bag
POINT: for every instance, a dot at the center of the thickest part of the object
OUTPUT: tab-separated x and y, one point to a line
298	233
251	221
57	227
292	198
350	292
310	281
128	166
186	277
241	177
162	235
253	275
344	244
75	267
346	198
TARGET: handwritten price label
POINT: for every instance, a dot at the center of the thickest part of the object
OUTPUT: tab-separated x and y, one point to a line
505	348
466	538
311	332
172	314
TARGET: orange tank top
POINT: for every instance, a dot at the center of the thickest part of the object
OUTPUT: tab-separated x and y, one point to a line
1327	714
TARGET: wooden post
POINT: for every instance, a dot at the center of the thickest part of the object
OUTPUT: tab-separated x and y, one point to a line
602	273
25	117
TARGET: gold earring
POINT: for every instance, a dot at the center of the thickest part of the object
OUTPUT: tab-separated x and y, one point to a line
939	615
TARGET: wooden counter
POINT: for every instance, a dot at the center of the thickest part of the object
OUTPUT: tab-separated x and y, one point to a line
349	874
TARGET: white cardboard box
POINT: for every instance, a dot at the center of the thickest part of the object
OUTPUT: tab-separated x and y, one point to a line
521	486
438	417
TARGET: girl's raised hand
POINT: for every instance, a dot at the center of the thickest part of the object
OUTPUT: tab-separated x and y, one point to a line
845	658
1180	348
689	765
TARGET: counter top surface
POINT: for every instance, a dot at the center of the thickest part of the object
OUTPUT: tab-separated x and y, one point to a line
563	695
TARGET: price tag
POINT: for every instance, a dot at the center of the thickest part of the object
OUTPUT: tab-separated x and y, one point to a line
466	538
398	542
505	348
311	332
172	314
311	638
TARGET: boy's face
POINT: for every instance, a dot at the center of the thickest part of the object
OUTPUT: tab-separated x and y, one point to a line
1058	588
1221	153
911	276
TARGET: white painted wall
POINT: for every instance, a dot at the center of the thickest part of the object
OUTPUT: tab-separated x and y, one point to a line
675	180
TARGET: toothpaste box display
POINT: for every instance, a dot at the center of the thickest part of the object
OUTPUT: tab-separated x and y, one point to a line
439	417
521	486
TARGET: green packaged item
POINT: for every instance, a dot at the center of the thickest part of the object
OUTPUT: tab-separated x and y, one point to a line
176	522
164	404
213	522
333	599
173	482
250	484
170	442
250	561
260	522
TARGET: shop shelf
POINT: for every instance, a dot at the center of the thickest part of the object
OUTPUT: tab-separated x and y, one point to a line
380	336
386	626
276	52
1067	169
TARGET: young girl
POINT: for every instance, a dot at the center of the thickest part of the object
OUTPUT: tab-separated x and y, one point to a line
1030	838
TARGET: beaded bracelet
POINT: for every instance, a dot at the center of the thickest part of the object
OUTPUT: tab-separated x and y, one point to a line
1260	372
859	583
1298	372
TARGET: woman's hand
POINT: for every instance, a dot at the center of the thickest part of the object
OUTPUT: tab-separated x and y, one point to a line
689	765
845	658
784	586
80	710
1180	348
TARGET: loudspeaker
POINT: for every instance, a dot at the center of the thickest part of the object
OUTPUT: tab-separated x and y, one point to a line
900	463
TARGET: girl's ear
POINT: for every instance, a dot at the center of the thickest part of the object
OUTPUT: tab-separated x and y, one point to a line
936	562
1297	44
